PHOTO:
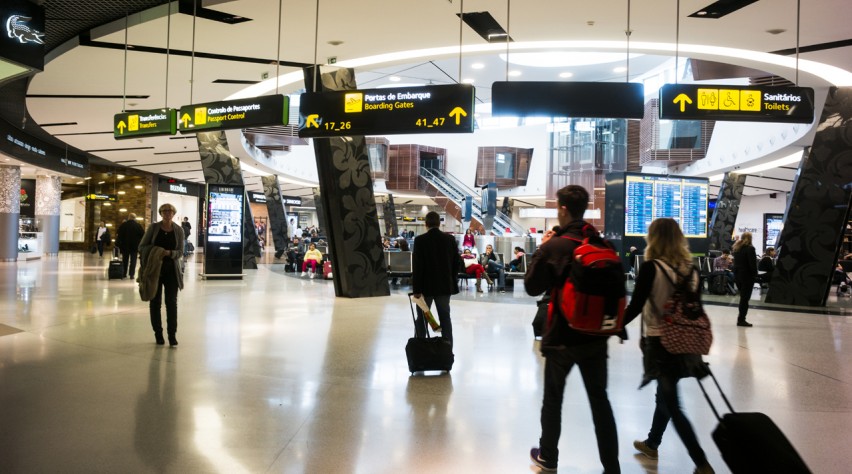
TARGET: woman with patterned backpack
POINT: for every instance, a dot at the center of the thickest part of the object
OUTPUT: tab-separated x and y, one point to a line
667	271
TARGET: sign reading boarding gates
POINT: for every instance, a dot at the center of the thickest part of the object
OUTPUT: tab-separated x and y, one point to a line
144	123
422	109
241	113
737	103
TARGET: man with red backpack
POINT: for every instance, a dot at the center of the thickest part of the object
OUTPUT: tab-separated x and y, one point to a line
562	345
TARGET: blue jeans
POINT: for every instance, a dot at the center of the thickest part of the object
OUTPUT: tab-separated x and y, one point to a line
592	361
442	305
497	267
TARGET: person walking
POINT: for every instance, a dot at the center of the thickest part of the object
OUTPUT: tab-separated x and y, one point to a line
468	241
563	347
161	272
101	238
667	260
187	229
745	272
435	262
127	239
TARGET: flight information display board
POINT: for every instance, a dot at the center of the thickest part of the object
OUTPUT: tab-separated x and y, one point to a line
648	197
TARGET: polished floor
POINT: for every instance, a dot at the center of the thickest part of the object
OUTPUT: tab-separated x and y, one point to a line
275	374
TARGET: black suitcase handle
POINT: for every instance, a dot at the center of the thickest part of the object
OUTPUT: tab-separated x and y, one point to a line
707	397
414	318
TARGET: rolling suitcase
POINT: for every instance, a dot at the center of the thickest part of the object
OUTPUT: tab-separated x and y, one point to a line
326	270
427	353
752	442
115	271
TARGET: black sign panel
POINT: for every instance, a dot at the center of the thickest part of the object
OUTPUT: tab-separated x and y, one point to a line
33	151
568	99
28	197
737	103
22	35
241	113
223	251
291	200
424	109
171	185
145	123
256	197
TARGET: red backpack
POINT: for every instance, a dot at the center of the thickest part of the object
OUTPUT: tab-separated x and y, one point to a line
593	297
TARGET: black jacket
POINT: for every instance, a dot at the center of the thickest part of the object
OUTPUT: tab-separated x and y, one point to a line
745	263
436	263
548	268
129	235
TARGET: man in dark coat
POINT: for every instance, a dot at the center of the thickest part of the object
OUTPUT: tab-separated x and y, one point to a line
436	263
562	346
130	234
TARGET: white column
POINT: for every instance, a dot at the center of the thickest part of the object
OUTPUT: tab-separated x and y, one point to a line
47	211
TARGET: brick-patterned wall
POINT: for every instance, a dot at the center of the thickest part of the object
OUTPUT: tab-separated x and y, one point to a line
404	165
486	166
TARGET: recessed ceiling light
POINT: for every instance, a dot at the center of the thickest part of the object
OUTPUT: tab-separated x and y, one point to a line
514	73
138	186
79	182
107	204
701	13
101	182
566	75
122	192
477	66
468	81
394	79
620	69
120	176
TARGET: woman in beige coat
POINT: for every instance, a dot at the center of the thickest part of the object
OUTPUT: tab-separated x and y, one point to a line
162	271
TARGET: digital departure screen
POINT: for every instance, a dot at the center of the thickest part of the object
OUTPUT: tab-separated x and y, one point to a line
225	216
648	197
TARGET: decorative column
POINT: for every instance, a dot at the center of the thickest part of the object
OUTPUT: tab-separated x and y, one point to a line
348	203
220	167
725	214
816	215
10	212
47	211
275	210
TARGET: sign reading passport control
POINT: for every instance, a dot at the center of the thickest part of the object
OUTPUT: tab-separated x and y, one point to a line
241	113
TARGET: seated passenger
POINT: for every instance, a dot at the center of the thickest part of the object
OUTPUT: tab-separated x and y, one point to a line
723	263
474	269
488	259
313	256
766	266
516	262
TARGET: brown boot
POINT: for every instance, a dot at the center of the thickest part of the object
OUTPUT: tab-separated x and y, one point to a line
479	285
488	280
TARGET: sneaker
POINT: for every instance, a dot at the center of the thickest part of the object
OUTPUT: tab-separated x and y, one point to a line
642	447
535	457
304	274
313	275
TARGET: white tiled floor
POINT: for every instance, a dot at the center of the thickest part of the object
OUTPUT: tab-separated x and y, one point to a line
275	374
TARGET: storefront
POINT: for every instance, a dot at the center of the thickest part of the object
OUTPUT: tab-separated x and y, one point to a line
184	196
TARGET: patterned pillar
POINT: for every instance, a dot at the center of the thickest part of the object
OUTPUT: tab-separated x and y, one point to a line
389	210
725	214
220	167
10	212
275	210
348	203
816	215
47	211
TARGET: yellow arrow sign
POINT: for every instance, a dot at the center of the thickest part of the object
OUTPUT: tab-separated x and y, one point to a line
121	127
458	113
185	119
682	99
312	121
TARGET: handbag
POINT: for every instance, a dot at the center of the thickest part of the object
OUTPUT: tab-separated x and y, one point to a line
686	328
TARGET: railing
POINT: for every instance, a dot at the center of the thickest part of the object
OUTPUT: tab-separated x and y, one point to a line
454	189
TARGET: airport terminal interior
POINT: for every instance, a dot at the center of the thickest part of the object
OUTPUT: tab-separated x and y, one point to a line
279	370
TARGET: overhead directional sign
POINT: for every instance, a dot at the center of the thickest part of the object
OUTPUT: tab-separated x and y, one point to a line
144	122
737	103
423	109
568	99
102	197
241	113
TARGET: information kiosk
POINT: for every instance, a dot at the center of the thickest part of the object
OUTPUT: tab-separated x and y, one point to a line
223	241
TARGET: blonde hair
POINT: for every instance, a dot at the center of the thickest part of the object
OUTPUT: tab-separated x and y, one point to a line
667	243
745	239
166	206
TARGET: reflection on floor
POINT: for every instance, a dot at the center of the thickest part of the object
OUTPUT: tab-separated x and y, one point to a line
275	374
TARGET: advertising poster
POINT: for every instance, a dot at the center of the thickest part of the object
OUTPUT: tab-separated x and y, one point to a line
28	187
225	216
